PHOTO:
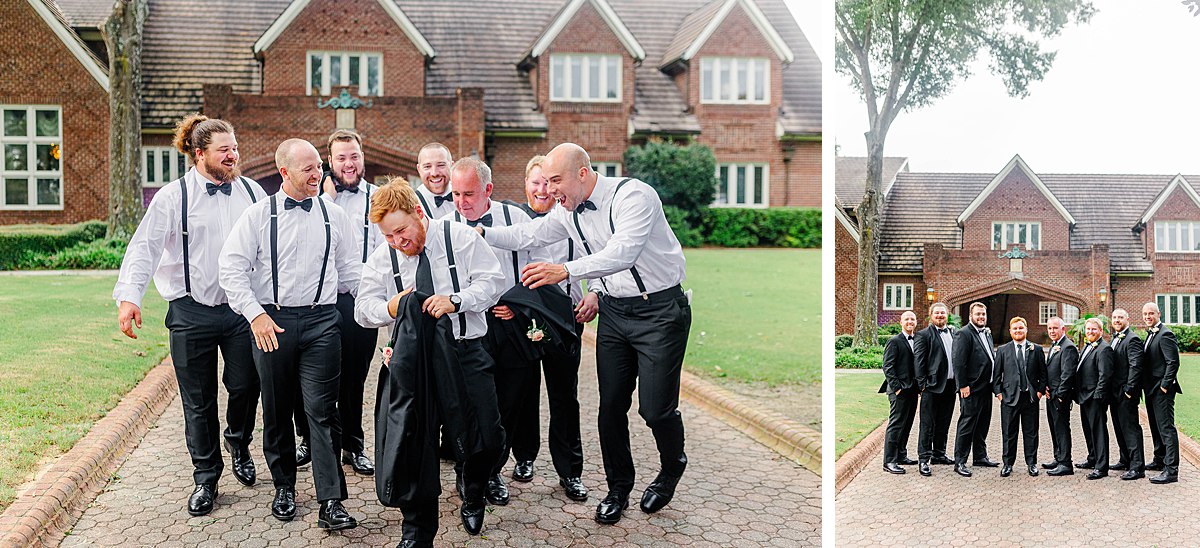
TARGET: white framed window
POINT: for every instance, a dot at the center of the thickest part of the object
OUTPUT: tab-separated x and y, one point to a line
897	296
585	77
745	185
607	169
161	165
735	80
1176	236
361	72
1046	310
1179	308
1006	234
31	174
1070	314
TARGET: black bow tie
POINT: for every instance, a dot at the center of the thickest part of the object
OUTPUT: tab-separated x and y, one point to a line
213	189
945	330
909	337
344	188
486	220
586	205
306	205
439	200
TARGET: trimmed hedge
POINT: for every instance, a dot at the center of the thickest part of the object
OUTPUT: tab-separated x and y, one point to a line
857	357
1188	337
105	254
687	235
771	227
24	243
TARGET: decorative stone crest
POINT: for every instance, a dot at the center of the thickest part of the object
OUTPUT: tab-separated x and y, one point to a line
343	100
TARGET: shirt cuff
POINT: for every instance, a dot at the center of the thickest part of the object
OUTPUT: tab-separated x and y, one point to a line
126	292
253	311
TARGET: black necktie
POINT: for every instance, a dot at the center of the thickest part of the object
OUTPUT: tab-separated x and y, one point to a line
1021	361
290	203
439	200
341	188
586	205
213	189
486	220
424	275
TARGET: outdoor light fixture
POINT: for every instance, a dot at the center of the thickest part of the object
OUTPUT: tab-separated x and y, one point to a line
930	294
1103	295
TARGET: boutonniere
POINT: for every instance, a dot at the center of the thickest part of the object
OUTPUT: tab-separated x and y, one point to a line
986	331
1094	344
1155	329
1054	349
1119	336
535	333
387	353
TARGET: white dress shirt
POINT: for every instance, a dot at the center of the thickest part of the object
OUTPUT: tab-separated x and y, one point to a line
480	278
563	252
510	269
357	206
156	249
643	239
246	258
425	196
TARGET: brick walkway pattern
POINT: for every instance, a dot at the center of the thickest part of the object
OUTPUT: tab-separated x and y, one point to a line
881	509
735	492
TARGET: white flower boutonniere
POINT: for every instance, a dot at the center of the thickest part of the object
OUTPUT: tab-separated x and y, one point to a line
1054	349
535	333
1094	344
1155	329
1120	336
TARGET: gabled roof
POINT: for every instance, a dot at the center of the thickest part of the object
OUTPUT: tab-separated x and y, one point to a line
1015	163
285	19
564	16
85	13
1178	182
696	29
846	223
850	176
54	18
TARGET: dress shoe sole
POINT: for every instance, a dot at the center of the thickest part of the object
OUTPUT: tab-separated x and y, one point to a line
927	474
497	502
283	517
1137	476
336	527
1157	481
200	512
577	498
610	521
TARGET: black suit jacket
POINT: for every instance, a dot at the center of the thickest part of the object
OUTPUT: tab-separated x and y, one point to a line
898	370
972	361
1127	365
931	359
1060	369
1094	373
1161	357
1008	372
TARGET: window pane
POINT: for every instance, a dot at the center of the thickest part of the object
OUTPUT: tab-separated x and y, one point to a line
14	123
576	70
335	71
556	77
45	158
1009	234
48	191
148	169
1022	237
723	185
759	175
355	68
739	196
315	74
1186	316
887	296
726	82
1185	237
907	296
760	80
47	123
373	75
743	80
16	191
614	81
181	166
1195	236
996	235
1035	239
16	157
1172	237
1173	308
706	84
593	77
165	164
1162	303
1159	238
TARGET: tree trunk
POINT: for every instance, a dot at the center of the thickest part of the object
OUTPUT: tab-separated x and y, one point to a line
122	33
866	317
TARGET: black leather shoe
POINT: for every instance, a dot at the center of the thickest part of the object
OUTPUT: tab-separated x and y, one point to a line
574	488
941	460
359	463
284	505
523	471
892	468
333	516
1006	471
1033	470
906	462
1061	470
660	492
1097	474
1132	475
497	492
1086	465
472	513
414	544
1050	465
1155	466
242	464
202	499
1164	477
962	470
303	454
458	485
985	462
609	510
924	469
1119	466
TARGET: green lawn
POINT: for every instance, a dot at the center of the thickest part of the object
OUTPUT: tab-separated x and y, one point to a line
859	408
749	309
63	365
1187	404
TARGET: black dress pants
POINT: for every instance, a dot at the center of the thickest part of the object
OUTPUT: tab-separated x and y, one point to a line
479	375
1095	426
562	392
641	342
358	347
974	421
902	410
517	383
1024	414
196	333
1128	432
1160	410
1058	417
309	354
934	430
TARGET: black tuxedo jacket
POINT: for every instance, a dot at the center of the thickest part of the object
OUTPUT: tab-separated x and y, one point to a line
1161	363
1008	372
1127	365
972	360
932	363
898	370
1094	373
1060	369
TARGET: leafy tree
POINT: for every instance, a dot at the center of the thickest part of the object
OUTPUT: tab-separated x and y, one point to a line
906	54
684	176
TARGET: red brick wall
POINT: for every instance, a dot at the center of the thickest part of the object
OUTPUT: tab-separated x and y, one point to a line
958	274
343	25
42	71
1131	293
1016	199
845	279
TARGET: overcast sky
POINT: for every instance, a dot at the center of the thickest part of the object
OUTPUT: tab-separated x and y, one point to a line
1123	96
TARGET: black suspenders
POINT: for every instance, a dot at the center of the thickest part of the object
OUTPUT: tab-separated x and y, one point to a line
187	265
515	258
424	204
275	249
612	227
366	223
396	270
325	259
462	320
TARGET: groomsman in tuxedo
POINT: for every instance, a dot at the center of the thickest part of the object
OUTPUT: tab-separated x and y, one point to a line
1125	391
900	384
1092	393
1159	370
433	165
973	361
1019	385
1061	364
932	350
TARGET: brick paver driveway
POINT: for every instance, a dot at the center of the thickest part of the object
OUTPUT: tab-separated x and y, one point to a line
881	509
735	493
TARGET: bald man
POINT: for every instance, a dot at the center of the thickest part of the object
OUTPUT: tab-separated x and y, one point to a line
1160	370
281	267
900	384
644	314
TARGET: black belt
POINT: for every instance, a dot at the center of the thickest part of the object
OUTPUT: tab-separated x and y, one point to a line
304	308
187	299
667	294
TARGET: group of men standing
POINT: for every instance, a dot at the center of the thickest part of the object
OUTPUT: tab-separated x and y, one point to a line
927	369
291	289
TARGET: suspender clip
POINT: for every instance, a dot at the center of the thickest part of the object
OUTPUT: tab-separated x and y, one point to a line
277	306
645	296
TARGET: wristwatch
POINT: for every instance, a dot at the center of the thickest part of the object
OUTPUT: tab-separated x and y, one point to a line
456	301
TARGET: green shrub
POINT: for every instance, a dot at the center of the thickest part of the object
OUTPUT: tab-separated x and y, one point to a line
684	176
1078	330
843	341
688	235
1188	337
772	227
19	242
103	254
857	357
890	329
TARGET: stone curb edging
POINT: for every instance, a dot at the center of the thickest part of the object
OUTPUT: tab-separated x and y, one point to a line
785	436
45	511
854	460
1188	448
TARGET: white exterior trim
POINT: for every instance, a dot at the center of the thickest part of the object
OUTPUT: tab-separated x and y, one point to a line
756	16
606	12
1037	182
1179	182
846	223
73	43
293	11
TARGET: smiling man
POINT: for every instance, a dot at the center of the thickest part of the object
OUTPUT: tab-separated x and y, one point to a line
433	165
1092	380
1019	385
1160	371
1125	390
